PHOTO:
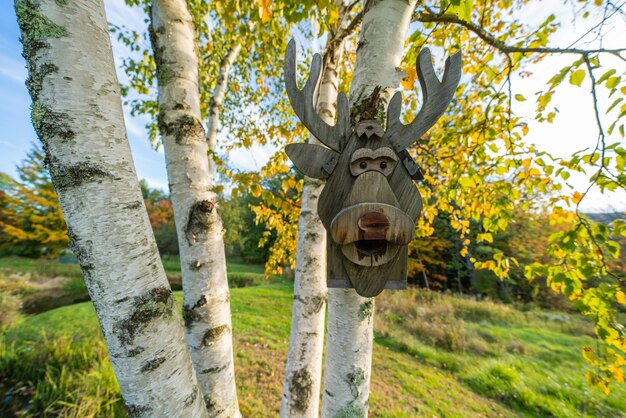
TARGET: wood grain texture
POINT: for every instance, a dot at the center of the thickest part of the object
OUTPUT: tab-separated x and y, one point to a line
302	101
437	96
370	281
411	166
345	227
312	160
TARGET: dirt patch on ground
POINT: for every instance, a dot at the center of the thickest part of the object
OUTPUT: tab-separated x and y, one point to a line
260	371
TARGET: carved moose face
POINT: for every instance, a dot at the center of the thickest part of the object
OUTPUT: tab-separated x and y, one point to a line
369	205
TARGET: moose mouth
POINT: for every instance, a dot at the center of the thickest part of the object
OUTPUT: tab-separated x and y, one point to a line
371	248
371	234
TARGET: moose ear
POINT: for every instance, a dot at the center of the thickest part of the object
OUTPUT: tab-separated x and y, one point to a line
312	160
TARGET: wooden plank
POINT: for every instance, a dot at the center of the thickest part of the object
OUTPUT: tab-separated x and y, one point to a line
302	101
312	160
437	96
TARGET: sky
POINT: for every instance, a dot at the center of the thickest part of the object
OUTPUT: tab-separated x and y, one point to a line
574	127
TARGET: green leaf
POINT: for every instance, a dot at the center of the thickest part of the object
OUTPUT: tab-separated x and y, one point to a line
612	82
605	76
577	77
520	98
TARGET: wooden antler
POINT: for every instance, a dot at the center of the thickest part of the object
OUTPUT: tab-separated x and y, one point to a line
302	102
437	97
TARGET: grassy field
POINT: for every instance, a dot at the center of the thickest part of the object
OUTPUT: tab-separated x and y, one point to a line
38	285
435	355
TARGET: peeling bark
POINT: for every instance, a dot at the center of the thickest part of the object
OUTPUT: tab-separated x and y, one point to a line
77	114
206	301
350	324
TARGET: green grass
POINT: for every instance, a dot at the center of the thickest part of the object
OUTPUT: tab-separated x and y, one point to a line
38	285
434	355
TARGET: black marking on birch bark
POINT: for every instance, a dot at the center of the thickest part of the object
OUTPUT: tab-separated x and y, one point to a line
195	266
355	379
156	303
213	334
163	72
352	411
366	310
153	364
185	129
313	303
211	405
83	253
199	221
137	410
191	398
133	206
67	176
213	370
301	389
190	313
133	352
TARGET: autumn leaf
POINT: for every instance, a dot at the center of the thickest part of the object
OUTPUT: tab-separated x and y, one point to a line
577	77
408	82
264	10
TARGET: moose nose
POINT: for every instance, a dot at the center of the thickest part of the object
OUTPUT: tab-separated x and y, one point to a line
373	226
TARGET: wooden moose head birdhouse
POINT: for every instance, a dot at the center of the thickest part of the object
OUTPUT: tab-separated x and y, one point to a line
369	205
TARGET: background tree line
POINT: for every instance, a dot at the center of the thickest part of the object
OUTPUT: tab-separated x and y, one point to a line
33	226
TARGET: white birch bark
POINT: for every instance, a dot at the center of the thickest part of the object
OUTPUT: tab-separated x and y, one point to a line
350	327
77	114
303	372
206	300
217	100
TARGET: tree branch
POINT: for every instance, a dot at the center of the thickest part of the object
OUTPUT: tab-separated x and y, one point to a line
430	17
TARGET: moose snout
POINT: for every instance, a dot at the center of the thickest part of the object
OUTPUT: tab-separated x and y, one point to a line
373	226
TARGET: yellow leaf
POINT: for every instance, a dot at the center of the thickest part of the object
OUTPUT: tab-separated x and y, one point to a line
620	297
577	77
525	129
618	373
264	10
576	197
255	190
410	75
526	163
589	355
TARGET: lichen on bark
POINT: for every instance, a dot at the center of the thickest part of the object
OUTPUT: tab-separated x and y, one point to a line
301	389
185	129
353	411
157	303
366	310
66	176
49	124
212	334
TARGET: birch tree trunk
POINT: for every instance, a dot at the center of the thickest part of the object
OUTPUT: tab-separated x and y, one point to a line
206	300
217	100
350	328
303	372
77	114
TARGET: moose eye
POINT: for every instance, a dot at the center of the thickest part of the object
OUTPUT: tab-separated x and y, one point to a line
383	164
363	165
